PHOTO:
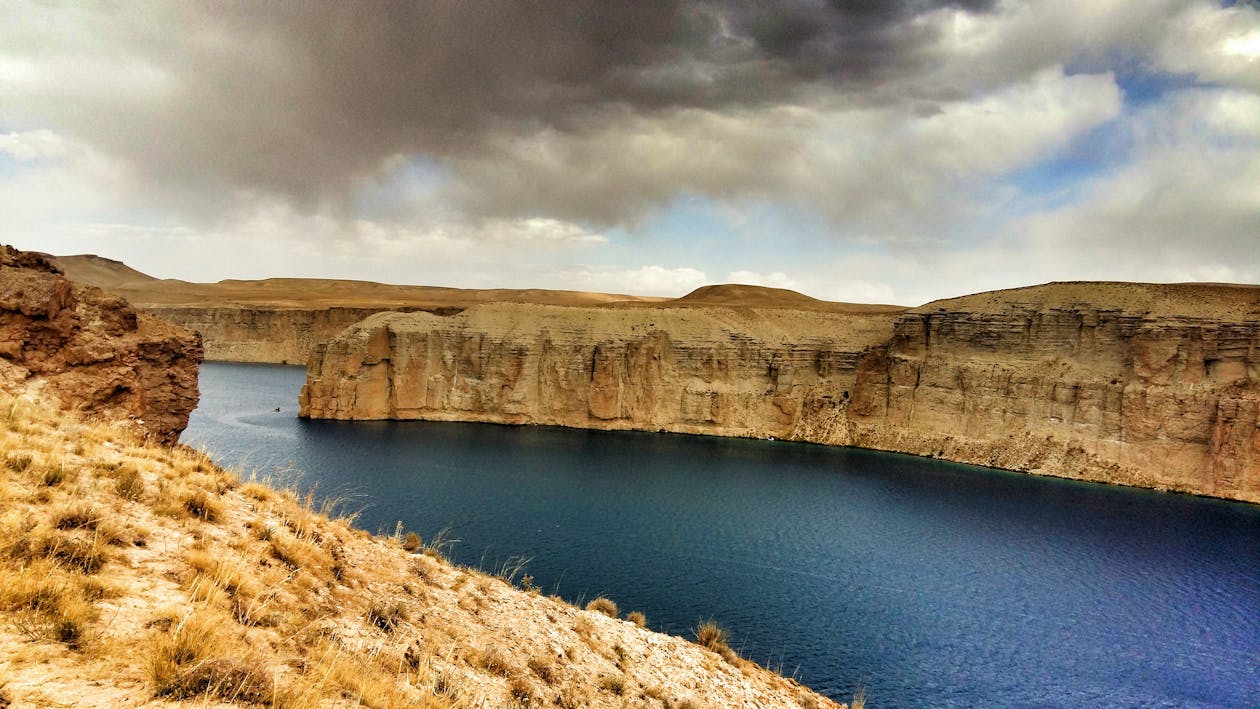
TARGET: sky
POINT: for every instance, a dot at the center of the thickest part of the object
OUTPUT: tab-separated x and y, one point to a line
857	150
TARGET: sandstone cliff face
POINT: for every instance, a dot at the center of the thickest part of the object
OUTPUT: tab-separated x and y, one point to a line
92	351
743	372
1098	381
264	333
1125	393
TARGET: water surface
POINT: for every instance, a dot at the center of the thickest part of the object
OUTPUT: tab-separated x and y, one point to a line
933	584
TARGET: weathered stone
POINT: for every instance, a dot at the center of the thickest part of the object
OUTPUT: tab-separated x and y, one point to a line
91	351
1157	386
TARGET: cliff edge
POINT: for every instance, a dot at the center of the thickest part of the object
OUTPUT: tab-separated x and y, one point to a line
91	351
1138	384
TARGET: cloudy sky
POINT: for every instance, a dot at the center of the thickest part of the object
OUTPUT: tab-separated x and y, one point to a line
861	150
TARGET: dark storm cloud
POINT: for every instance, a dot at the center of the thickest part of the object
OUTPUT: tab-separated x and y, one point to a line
299	99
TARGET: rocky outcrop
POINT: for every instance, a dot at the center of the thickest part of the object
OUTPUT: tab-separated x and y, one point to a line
1157	386
92	351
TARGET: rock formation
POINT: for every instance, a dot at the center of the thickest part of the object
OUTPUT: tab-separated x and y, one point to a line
280	320
1156	386
92	351
261	333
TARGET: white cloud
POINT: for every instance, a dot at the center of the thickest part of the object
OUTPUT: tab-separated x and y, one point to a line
777	279
645	280
1216	44
1186	206
32	145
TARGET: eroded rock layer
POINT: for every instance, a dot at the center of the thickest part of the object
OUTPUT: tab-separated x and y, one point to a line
1157	386
280	335
92	351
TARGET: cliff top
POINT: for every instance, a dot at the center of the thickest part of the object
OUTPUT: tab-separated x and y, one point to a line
1216	301
147	291
681	323
1201	300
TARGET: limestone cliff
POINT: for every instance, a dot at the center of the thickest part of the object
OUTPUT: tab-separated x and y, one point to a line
731	371
265	333
1157	386
92	351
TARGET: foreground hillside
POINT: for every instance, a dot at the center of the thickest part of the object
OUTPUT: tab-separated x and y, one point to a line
139	575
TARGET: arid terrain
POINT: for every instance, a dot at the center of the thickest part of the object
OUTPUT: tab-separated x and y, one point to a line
136	573
1155	385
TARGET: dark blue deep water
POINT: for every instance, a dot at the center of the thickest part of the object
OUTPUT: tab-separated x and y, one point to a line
932	584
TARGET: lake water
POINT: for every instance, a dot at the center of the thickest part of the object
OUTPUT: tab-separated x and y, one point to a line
932	584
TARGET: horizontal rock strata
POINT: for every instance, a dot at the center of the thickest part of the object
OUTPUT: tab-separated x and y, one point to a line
262	333
1156	386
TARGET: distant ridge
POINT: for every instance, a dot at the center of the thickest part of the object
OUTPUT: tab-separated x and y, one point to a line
100	271
1210	300
748	296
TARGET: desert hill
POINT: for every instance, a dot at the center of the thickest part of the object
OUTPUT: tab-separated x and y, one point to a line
739	295
149	292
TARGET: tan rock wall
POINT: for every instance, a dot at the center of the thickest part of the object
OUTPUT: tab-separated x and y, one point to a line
1153	401
1075	391
674	369
255	333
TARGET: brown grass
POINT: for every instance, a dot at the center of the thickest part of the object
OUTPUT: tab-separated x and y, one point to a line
204	506
387	616
412	542
710	635
267	599
613	683
603	605
544	668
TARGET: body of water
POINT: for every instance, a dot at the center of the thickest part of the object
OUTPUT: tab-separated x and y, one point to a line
932	584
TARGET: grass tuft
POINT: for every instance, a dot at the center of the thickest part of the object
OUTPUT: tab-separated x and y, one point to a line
613	683
543	667
204	506
603	605
412	542
129	484
387	617
716	638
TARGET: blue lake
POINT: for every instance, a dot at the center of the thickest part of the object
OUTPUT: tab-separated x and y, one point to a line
932	584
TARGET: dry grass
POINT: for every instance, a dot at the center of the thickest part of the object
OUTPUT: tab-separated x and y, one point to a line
127	565
710	635
544	668
637	618
412	542
603	605
613	683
